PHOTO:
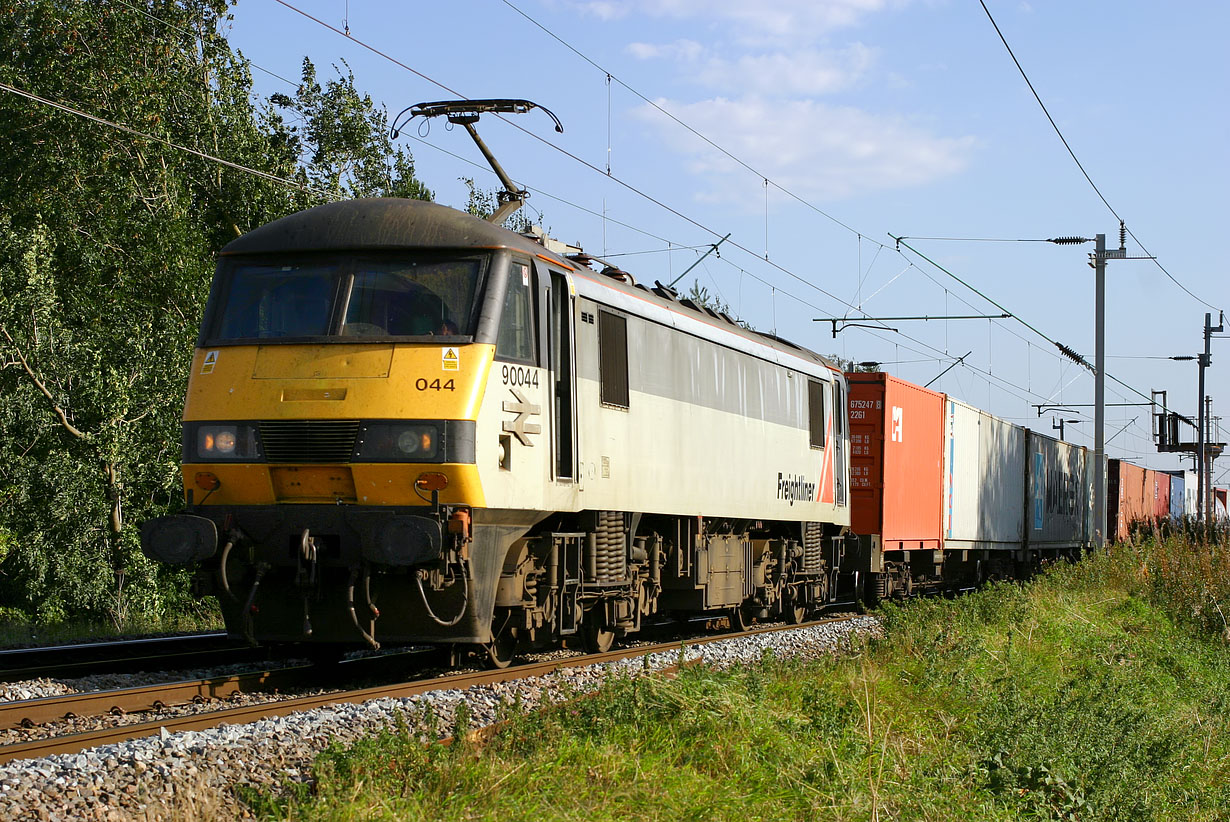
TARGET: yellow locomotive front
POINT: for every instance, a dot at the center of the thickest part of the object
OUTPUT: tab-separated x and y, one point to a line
329	427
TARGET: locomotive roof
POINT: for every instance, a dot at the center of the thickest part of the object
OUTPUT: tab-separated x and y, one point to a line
388	223
375	224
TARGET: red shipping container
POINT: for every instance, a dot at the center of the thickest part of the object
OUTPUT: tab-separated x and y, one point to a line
1161	495
1129	503
896	461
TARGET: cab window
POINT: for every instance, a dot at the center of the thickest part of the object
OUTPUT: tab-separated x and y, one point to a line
516	336
404	294
279	301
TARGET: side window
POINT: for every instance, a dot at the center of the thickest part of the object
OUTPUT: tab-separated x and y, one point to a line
516	337
839	408
613	359
815	412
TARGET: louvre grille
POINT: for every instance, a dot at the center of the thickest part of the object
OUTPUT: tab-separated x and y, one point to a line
613	359
309	440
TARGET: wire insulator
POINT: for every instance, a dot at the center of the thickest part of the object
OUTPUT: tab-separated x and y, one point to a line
1068	240
1070	353
1122	234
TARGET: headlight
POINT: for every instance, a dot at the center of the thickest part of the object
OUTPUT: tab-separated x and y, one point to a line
411	442
226	442
417	440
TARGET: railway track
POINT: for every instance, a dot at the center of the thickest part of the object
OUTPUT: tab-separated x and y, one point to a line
26	712
124	656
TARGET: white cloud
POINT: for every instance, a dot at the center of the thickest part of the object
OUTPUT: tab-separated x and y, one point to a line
684	50
814	150
605	10
797	19
799	72
804	72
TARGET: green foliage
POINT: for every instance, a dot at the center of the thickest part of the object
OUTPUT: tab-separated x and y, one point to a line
700	295
1187	573
342	139
106	251
854	366
483	203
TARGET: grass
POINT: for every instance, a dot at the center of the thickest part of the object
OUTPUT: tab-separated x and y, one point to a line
1186	572
1100	691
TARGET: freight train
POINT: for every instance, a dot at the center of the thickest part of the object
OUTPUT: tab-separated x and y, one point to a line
406	424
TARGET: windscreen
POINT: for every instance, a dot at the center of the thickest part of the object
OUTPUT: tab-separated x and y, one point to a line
395	295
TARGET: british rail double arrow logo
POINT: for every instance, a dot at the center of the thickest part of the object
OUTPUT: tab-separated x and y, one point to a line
520	427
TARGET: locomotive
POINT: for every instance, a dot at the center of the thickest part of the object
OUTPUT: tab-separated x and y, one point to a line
406	424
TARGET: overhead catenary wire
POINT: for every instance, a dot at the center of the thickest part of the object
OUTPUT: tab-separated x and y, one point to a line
1081	166
1022	321
990	378
532	135
609	78
766	181
738	161
981	239
591	166
163	141
643	194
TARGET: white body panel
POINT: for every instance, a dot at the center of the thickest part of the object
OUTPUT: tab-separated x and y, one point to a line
984	479
661	456
524	483
717	425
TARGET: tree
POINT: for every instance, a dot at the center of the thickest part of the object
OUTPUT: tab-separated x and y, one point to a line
106	252
342	140
700	295
853	366
483	203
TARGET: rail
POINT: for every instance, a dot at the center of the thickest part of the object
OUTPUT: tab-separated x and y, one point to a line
121	656
77	742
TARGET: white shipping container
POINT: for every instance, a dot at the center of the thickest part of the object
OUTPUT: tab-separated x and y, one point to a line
984	479
1191	494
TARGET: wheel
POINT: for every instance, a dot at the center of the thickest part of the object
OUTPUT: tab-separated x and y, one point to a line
740	620
597	637
502	649
794	609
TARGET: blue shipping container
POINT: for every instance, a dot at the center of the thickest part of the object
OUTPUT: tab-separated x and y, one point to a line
1177	496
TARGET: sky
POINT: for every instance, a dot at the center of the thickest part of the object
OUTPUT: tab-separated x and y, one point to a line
814	133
